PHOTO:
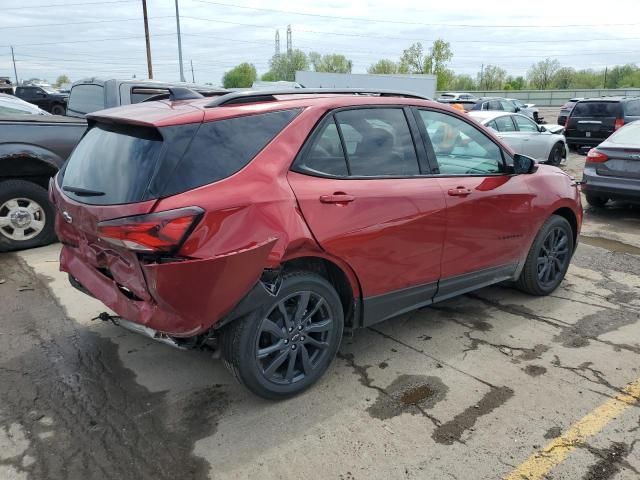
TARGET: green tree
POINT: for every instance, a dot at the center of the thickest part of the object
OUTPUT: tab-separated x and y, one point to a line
515	83
588	78
563	77
463	82
241	76
437	60
383	67
541	74
284	66
491	77
332	63
412	59
62	79
620	75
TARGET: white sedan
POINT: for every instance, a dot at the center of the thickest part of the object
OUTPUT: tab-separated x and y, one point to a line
545	143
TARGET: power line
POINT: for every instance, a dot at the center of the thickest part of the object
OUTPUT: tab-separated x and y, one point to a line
52	5
374	20
80	23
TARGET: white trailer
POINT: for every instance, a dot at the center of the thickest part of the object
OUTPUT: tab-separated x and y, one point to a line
424	85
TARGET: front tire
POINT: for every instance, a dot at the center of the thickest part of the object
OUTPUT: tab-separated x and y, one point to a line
548	259
556	154
26	216
287	348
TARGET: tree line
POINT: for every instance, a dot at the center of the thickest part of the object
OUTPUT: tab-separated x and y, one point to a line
416	59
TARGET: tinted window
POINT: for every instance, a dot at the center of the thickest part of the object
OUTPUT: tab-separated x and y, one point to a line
221	148
494	105
117	162
138	94
378	142
492	125
505	124
524	124
632	108
596	109
460	148
325	155
86	99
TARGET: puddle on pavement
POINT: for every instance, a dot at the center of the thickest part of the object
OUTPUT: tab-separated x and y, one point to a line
553	432
611	245
610	461
534	370
408	393
594	325
452	431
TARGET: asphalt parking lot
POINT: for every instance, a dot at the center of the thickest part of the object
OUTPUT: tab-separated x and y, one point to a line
495	384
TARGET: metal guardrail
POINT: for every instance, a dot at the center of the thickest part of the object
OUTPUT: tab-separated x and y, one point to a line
554	98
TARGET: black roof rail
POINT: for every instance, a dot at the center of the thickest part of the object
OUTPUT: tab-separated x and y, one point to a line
253	96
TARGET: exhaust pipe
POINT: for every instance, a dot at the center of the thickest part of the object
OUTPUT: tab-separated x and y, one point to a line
141	330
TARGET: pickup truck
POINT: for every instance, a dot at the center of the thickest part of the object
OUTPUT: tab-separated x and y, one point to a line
34	147
32	150
44	97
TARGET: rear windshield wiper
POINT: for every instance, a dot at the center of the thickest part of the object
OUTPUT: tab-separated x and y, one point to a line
82	192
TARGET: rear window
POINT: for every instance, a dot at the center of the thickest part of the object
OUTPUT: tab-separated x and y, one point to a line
140	94
629	135
223	147
115	163
596	109
86	99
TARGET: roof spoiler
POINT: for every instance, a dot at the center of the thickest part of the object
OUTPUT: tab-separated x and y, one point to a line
253	96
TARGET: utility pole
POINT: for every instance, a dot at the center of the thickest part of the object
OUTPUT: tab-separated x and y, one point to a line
481	75
289	40
605	77
277	43
182	79
14	65
193	78
146	38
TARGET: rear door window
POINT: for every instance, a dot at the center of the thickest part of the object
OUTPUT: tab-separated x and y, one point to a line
378	142
223	147
505	124
325	155
85	99
507	106
596	109
115	163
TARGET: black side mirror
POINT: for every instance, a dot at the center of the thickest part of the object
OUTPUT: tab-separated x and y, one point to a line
523	164
541	128
517	109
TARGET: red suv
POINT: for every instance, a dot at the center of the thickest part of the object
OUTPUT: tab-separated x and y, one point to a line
270	222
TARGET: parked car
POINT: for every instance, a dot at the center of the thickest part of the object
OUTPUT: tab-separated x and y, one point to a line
528	109
565	110
10	105
453	97
44	97
505	105
299	214
32	149
525	136
93	94
6	87
592	120
612	169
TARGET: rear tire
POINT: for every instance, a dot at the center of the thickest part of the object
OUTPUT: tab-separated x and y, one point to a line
58	109
25	212
556	154
285	348
597	201
548	259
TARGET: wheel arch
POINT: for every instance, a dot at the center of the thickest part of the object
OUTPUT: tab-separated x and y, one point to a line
569	216
341	277
24	162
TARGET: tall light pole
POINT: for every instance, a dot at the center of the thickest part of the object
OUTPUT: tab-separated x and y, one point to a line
182	79
13	57
146	37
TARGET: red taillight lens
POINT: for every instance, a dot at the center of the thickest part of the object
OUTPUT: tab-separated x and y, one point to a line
155	232
619	123
566	123
596	156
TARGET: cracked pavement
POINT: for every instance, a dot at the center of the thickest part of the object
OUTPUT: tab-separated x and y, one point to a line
466	389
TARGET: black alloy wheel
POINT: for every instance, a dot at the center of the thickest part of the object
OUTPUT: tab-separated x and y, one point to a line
553	257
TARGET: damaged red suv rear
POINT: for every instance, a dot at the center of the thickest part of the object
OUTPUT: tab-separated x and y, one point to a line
270	222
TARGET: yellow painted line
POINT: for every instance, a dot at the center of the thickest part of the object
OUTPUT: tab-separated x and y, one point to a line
541	463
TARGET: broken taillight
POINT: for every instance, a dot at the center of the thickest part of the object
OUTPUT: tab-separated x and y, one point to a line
160	232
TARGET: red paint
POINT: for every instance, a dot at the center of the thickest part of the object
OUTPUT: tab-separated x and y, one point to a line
384	234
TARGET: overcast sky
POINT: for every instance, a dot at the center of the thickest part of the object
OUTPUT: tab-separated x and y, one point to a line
106	38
